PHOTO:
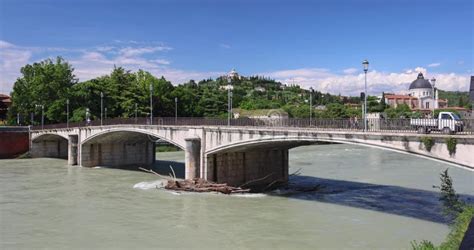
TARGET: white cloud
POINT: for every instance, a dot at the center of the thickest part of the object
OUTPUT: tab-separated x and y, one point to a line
4	44
161	61
350	71
136	51
398	82
225	46
12	58
433	65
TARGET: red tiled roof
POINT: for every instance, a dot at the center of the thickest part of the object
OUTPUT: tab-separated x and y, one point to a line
400	97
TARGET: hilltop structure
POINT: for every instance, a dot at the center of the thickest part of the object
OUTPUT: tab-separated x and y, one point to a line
423	96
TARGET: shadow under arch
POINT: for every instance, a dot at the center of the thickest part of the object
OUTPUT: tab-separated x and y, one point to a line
49	146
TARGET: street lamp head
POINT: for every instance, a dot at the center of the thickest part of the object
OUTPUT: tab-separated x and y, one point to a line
176	99
102	94
311	89
151	87
67	101
365	63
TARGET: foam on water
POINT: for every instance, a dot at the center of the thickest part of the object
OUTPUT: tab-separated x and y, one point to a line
145	185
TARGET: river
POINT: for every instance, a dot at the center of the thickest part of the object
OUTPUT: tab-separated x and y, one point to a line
371	199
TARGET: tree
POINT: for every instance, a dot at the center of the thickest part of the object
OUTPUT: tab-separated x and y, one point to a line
451	203
45	83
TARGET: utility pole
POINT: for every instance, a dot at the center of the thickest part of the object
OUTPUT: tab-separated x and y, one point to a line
151	103
176	110
365	63
67	113
101	106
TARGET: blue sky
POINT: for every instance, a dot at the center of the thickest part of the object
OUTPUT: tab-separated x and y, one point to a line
313	43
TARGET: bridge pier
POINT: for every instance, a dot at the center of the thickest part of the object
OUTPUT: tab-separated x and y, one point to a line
72	150
237	168
192	157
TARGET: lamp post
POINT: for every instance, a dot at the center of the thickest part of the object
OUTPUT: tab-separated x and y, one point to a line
42	114
67	113
136	111
151	103
101	106
311	90
176	110
365	63
435	103
229	99
88	119
105	114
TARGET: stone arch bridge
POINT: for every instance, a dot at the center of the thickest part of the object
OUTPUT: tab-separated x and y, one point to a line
226	154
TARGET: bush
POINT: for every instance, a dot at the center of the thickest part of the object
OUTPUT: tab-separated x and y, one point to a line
451	144
428	142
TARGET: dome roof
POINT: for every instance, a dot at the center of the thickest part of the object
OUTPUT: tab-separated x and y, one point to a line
420	83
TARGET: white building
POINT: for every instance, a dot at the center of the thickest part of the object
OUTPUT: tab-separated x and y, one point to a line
425	92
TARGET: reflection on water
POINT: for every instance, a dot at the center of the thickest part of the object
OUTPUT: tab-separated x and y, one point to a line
372	199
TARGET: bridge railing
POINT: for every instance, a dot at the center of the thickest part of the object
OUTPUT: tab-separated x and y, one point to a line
373	125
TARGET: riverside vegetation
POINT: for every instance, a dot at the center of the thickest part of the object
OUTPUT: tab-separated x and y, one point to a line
458	212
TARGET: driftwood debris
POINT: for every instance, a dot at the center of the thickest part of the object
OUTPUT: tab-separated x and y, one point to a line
196	185
201	185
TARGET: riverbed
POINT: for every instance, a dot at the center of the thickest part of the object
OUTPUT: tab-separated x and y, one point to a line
371	199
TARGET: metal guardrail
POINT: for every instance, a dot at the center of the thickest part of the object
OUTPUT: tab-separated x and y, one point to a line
373	125
14	129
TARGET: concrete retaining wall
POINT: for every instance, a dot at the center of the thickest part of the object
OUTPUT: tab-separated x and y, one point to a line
50	148
117	154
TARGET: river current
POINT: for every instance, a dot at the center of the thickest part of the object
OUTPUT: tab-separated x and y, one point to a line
371	199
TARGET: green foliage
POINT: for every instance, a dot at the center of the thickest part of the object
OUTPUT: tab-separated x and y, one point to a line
428	142
423	245
462	213
455	98
45	83
401	111
451	144
167	148
451	203
459	228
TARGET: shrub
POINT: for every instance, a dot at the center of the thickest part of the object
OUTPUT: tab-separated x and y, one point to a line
428	142
451	144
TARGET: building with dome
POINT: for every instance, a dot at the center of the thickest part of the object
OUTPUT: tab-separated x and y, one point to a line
422	96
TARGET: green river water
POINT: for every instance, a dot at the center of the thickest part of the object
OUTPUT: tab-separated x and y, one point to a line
372	199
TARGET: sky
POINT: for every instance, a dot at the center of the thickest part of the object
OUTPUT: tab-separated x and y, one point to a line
319	44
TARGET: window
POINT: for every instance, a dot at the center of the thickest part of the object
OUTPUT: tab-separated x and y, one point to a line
446	116
427	105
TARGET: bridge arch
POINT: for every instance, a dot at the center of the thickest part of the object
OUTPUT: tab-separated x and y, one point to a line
296	141
241	161
49	145
121	147
154	134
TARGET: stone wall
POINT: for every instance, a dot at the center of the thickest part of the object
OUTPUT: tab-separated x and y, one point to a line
13	143
237	168
117	154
